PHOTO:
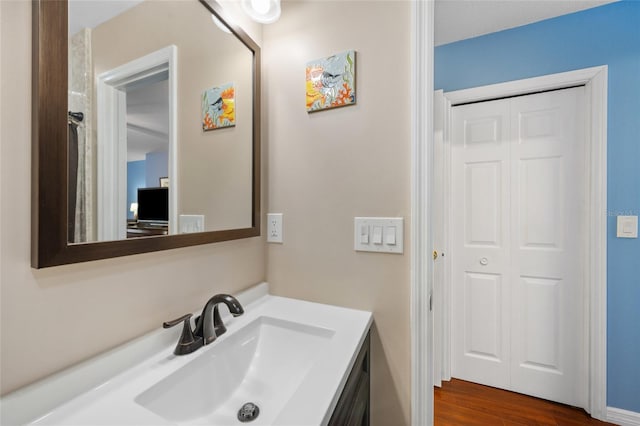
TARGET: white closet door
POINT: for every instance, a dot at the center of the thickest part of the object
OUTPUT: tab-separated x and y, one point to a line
518	245
548	205
480	243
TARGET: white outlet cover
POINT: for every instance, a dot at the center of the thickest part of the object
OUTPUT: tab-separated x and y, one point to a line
274	227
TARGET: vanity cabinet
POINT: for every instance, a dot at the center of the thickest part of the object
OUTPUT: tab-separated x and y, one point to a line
353	406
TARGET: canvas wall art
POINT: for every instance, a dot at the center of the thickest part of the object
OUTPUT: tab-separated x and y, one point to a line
219	107
330	82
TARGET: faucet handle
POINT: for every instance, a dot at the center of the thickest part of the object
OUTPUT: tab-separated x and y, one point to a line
172	323
187	342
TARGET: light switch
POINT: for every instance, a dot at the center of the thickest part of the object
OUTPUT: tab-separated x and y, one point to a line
627	227
390	235
364	234
377	235
190	223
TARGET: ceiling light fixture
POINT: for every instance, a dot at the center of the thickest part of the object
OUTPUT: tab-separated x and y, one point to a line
262	11
219	24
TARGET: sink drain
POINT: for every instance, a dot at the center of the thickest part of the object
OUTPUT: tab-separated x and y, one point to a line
248	412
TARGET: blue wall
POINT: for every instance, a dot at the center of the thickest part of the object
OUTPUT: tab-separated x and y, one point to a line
606	35
135	180
157	167
145	174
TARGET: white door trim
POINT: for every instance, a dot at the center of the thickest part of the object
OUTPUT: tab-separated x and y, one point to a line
441	199
111	139
422	13
595	82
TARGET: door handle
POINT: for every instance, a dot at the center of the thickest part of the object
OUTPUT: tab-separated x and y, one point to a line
484	261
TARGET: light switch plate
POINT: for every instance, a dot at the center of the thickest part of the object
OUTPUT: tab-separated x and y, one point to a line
274	227
627	227
190	223
380	239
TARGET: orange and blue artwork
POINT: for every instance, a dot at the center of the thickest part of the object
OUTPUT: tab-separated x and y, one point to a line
219	107
331	81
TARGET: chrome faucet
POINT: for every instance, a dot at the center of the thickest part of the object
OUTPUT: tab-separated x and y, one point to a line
209	325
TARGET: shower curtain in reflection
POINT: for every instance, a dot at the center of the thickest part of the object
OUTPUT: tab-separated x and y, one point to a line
78	197
81	161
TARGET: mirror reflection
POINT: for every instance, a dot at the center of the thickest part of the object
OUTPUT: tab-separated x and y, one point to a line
160	121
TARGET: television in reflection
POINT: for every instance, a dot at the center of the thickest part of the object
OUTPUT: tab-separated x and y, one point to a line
153	206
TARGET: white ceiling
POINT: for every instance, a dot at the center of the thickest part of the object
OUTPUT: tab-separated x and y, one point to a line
461	19
147	120
454	19
91	13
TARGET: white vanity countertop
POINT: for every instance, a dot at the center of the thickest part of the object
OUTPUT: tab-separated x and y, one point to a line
112	402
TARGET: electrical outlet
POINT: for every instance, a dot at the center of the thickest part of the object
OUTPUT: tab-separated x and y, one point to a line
274	227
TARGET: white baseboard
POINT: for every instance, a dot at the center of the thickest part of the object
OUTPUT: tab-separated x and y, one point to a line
623	417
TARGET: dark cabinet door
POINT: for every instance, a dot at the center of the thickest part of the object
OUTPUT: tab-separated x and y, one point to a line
352	408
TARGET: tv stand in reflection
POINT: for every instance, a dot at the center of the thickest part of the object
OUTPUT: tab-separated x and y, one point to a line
142	229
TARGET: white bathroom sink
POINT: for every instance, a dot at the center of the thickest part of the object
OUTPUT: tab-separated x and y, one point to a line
289	357
263	363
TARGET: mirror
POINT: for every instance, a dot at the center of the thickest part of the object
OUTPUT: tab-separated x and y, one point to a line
159	147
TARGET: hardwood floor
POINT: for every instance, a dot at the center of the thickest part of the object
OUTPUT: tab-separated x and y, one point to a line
464	403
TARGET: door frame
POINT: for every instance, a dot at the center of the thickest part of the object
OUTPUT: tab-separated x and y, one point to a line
422	50
111	139
595	304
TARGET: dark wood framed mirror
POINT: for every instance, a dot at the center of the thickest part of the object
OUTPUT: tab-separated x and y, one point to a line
50	236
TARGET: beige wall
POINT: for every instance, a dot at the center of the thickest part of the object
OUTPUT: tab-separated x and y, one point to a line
327	167
323	169
53	318
214	167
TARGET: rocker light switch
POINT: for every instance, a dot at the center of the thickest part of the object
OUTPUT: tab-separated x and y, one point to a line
364	234
627	227
189	223
378	234
390	235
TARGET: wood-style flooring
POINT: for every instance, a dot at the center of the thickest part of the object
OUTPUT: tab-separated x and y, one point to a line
463	403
